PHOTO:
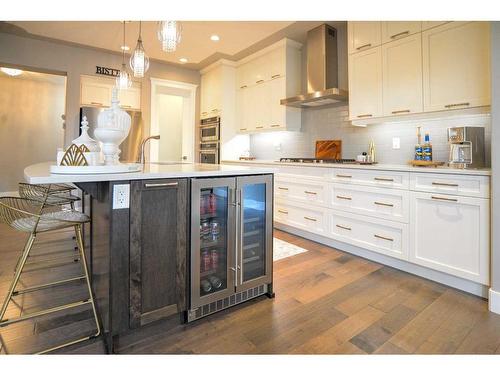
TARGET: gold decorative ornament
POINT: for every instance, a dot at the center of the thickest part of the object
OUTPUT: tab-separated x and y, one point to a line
74	156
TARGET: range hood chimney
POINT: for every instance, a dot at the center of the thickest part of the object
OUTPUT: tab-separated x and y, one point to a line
322	71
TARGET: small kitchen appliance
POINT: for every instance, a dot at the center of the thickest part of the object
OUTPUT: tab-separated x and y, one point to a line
466	147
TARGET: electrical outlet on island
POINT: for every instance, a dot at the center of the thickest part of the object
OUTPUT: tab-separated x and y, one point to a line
121	196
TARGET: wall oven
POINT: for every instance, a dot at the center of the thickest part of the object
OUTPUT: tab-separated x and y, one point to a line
209	152
209	129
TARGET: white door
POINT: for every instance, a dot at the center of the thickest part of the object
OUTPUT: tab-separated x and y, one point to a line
456	66
450	233
365	84
363	35
402	76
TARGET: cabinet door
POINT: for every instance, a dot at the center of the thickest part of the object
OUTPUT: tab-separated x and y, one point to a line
277	63
158	248
394	30
263	105
456	66
365	84
426	25
213	264
462	246
278	112
402	76
363	35
130	98
95	93
254	232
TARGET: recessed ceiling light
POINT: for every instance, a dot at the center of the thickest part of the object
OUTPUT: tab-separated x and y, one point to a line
11	72
183	60
215	38
125	48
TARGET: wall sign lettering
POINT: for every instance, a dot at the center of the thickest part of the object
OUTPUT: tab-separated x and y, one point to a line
107	71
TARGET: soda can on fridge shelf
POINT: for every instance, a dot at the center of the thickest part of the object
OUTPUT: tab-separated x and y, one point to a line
214	258
212	204
214	230
206	261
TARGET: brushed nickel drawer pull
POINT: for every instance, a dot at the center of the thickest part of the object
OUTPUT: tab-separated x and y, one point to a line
363	46
259	127
444	184
401	111
383	179
275	126
457	105
400	34
243	87
309	218
214	110
383	238
126	106
243	128
283	212
445	199
259	81
275	76
365	115
346	198
204	113
342	227
96	103
384	204
344	176
282	188
162	184
310	192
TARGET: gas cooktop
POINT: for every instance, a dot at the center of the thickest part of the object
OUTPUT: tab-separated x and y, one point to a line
314	160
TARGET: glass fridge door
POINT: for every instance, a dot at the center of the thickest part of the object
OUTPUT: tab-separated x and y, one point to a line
212	240
254	231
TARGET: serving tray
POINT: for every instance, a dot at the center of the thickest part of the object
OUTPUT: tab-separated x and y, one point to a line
96	169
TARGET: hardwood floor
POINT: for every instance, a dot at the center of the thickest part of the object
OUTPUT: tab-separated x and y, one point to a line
327	302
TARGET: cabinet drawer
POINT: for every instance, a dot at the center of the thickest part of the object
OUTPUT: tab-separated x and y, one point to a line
451	234
389	204
304	191
312	219
473	186
382	236
371	178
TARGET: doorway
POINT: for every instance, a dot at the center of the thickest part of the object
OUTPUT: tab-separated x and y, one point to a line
173	118
32	110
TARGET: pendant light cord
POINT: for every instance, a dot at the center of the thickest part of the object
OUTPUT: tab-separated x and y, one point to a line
123	52
140	28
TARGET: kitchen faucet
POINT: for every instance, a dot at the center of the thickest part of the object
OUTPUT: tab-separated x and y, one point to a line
142	159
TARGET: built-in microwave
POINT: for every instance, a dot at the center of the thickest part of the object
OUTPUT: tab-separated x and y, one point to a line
209	129
209	152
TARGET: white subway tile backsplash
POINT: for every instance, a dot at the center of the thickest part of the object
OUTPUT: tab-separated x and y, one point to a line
332	123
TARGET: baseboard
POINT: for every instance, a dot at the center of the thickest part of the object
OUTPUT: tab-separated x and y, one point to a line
427	273
494	301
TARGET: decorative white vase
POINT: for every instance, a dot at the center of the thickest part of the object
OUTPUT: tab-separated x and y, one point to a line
113	126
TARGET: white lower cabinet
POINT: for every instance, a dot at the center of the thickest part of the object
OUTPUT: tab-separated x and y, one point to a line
450	233
383	203
302	216
305	191
382	236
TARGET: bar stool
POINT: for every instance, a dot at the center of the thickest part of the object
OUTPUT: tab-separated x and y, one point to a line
58	194
33	217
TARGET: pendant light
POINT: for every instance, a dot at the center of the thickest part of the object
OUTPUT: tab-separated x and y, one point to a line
139	61
169	34
123	80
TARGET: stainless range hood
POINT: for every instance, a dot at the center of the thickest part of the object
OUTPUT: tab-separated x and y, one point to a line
322	71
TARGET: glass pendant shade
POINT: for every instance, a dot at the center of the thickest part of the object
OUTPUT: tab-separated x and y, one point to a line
139	61
123	79
169	34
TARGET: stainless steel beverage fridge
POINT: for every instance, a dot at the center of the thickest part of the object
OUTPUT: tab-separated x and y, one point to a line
231	242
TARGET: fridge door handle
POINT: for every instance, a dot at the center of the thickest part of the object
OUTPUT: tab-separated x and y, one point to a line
232	197
239	247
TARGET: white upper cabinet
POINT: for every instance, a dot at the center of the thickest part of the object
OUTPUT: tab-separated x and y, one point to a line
393	30
262	80
430	24
211	92
363	35
365	84
97	92
456	66
402	76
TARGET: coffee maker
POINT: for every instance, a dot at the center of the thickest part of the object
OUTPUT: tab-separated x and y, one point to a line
466	147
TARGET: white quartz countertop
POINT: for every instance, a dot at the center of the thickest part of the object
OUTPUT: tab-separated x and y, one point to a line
40	173
384	167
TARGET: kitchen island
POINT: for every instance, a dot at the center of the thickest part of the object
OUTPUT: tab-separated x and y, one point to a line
172	243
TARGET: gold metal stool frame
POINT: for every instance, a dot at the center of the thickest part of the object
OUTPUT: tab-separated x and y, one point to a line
34	217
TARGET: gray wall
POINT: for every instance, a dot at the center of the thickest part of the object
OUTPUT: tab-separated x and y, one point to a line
495	156
76	61
332	123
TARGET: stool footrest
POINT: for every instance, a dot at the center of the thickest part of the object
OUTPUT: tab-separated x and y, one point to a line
6	322
47	285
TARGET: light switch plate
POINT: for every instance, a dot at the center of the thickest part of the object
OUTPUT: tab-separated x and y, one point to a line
121	196
396	143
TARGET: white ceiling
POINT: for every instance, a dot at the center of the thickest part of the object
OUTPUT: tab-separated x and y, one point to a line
195	45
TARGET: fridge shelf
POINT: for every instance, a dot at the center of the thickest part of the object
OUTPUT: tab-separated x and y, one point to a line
251	259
